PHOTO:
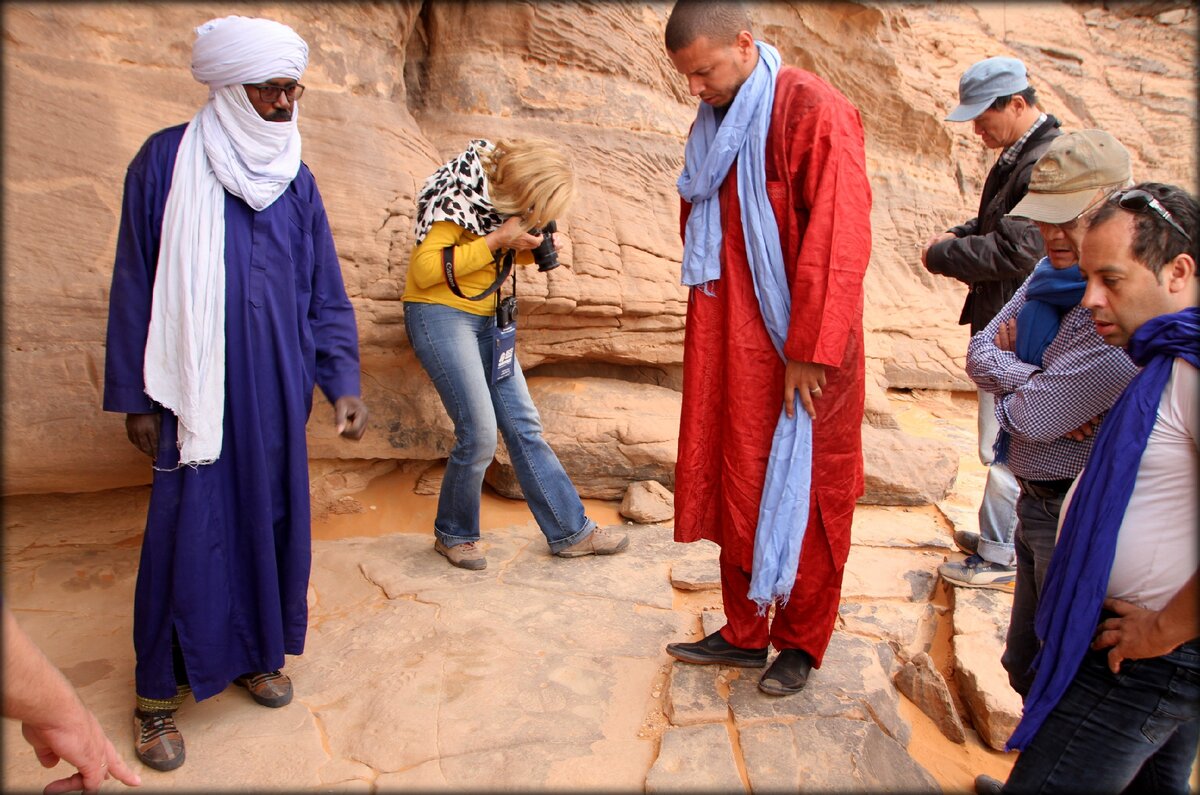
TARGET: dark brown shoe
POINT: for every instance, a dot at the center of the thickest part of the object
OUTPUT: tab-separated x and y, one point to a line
156	740
271	689
788	674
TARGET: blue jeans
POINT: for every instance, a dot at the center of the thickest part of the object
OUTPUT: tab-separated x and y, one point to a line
997	511
1135	731
455	348
1037	530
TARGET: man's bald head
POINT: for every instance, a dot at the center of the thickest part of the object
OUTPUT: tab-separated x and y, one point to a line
720	22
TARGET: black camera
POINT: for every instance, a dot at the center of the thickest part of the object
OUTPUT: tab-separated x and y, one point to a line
506	311
544	255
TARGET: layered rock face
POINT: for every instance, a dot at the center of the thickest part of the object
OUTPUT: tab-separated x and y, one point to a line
396	88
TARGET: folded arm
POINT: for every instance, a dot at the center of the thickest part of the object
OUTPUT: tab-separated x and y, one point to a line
1081	382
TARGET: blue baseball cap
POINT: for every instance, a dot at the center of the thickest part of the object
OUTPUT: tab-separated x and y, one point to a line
983	82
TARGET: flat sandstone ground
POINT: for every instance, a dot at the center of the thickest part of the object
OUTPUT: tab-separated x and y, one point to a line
535	674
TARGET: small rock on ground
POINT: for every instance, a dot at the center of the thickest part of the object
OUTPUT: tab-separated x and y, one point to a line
648	501
925	686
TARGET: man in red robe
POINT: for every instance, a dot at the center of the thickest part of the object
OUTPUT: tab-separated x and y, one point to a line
734	377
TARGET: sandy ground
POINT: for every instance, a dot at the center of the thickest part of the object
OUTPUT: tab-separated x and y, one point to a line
59	524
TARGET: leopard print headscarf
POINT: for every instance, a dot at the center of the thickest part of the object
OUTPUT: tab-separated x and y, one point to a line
458	192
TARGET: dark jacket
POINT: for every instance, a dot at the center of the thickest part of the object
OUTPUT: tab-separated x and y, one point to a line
992	254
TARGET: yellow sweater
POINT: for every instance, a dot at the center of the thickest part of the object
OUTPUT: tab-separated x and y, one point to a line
474	269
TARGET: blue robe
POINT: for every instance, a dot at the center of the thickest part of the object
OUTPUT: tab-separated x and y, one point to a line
227	548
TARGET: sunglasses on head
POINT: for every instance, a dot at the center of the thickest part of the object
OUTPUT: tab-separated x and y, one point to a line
1138	201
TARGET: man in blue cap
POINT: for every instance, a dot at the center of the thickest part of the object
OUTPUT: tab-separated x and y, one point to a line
993	254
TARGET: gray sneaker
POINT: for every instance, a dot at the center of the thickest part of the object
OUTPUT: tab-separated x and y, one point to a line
975	572
465	555
966	541
600	541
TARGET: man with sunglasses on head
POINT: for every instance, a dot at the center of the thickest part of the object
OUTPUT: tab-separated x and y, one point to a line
227	307
1051	376
1115	704
992	254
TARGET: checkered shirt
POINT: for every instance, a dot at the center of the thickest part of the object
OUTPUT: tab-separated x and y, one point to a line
1010	155
1080	378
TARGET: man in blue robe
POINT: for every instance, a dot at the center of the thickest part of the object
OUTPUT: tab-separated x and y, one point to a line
227	306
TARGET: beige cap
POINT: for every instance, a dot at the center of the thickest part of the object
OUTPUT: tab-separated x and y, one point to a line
1065	180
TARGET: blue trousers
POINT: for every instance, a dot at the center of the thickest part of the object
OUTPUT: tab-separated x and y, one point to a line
455	348
1134	731
997	510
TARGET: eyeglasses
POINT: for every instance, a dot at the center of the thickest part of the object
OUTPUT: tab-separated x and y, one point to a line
1139	200
268	92
1069	226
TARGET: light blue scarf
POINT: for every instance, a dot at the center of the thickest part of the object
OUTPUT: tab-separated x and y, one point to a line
708	156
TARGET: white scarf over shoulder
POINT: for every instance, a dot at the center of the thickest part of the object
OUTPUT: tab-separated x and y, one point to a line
227	146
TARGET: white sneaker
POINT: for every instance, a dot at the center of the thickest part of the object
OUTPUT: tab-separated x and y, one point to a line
975	572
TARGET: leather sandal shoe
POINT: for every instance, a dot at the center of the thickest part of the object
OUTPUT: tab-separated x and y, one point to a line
715	650
156	740
788	674
271	689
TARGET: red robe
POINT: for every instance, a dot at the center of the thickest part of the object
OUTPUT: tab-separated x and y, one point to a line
733	377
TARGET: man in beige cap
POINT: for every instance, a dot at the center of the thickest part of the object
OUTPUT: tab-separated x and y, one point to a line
1052	375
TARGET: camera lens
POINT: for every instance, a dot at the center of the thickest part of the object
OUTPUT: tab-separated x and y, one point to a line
544	255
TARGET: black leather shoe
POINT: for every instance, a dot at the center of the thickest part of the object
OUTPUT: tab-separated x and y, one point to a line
986	785
715	650
788	674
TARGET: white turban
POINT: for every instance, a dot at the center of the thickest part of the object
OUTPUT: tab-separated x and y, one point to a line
227	147
236	49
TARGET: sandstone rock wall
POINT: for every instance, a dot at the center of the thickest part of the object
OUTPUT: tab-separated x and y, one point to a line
395	87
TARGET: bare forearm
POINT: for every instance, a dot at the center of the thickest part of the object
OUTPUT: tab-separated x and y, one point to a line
1179	621
33	688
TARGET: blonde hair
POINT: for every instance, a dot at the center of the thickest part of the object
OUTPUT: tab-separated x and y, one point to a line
531	178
